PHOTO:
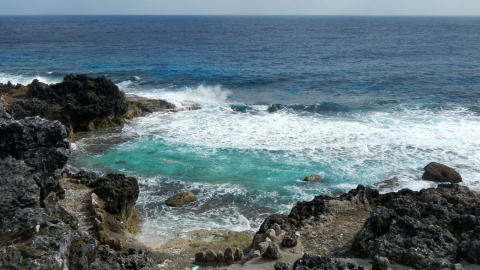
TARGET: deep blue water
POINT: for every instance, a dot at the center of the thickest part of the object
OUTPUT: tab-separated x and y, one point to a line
365	99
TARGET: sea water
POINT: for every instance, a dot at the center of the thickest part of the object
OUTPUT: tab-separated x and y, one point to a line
356	100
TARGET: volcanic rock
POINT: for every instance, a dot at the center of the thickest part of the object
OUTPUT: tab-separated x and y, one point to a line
181	199
441	173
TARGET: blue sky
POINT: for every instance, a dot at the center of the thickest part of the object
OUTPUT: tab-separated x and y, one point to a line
244	7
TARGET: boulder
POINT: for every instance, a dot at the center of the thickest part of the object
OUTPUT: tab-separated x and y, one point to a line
273	252
313	178
119	193
380	263
290	239
181	199
441	173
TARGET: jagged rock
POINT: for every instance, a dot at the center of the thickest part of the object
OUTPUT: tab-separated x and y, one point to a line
262	247
273	252
270	233
322	204
380	263
290	239
314	262
41	144
282	266
35	231
273	221
313	178
81	103
82	177
181	199
119	193
419	229
18	189
278	230
441	173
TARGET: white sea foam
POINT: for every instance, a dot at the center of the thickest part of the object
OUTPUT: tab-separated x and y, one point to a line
21	79
202	94
384	142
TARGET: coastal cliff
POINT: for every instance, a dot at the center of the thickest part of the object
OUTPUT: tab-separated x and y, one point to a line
37	232
79	102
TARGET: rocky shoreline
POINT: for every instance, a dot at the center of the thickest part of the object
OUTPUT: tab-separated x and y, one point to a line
55	219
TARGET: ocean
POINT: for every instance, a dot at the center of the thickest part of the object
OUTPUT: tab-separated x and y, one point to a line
356	100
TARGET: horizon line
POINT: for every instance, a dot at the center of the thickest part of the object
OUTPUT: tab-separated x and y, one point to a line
272	15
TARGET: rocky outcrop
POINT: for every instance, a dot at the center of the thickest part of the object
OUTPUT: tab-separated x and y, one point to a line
313	178
35	231
441	173
430	229
112	205
181	199
436	228
80	102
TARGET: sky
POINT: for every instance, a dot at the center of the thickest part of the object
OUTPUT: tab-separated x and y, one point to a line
243	7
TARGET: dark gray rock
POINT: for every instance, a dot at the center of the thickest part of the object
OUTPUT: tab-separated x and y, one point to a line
119	192
314	262
40	143
380	263
425	229
273	252
18	189
441	173
35	232
282	266
290	239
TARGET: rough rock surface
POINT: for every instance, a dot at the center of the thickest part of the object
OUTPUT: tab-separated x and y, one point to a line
430	229
312	178
80	102
441	173
434	228
35	232
118	192
181	199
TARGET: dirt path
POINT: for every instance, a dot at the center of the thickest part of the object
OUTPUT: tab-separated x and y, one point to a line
77	201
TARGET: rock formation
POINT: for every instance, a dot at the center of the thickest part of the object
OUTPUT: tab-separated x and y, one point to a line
435	228
181	199
80	102
35	231
441	173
